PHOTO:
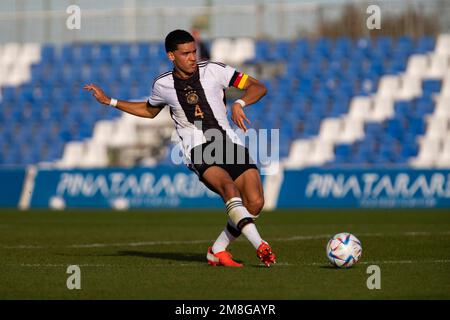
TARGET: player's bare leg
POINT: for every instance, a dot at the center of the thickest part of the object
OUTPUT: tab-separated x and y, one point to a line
217	254
252	192
220	181
250	188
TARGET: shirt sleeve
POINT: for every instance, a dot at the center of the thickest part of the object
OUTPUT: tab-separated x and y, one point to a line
155	98
223	73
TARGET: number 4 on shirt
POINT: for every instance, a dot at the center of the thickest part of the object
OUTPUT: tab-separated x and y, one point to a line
198	111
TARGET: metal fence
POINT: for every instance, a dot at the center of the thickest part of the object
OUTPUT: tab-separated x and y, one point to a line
141	20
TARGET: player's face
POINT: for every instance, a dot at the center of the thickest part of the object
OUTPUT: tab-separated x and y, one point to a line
185	57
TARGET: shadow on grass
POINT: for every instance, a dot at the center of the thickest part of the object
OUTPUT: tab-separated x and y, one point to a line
175	256
327	266
330	267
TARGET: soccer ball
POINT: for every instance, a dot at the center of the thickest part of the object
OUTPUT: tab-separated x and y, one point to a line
344	250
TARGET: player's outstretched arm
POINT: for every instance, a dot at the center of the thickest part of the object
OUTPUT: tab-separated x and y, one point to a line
140	109
254	91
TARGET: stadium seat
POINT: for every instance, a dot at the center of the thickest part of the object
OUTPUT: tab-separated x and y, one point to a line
221	49
330	129
439	64
388	86
443	160
95	155
369	91
360	108
436	127
383	108
73	152
243	50
322	152
443	45
298	154
411	87
417	65
429	150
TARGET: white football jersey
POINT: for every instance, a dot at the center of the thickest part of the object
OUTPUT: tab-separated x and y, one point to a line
197	104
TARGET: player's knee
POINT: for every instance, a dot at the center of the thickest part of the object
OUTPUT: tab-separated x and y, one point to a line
229	190
255	205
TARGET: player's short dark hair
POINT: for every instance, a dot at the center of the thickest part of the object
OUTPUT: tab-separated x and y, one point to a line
176	37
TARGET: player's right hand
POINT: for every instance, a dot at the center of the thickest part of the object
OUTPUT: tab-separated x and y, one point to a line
98	93
238	116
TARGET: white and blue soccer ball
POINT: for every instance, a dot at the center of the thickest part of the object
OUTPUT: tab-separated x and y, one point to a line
344	250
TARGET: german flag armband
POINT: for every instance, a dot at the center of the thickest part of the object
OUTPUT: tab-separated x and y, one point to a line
238	80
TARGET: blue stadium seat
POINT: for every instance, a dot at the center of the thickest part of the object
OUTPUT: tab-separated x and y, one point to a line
425	44
319	80
48	53
431	86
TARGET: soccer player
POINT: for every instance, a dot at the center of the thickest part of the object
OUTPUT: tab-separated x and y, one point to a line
194	91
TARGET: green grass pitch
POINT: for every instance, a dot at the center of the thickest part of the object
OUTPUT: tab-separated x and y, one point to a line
160	254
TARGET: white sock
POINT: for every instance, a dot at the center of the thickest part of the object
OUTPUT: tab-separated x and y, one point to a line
252	234
235	206
223	241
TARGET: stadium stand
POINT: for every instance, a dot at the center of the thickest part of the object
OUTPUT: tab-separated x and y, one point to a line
369	102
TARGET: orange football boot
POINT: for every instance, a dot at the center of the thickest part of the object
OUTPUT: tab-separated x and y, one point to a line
222	258
265	254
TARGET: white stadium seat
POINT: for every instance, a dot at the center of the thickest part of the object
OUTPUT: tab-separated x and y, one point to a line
299	153
10	52
331	129
124	134
445	89
417	65
442	109
30	53
444	159
243	49
17	59
411	87
322	152
221	49
383	108
443	44
103	131
428	152
388	87
360	108
73	153
439	64
353	130
436	127
95	156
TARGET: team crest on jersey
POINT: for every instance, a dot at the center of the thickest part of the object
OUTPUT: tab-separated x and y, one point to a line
192	97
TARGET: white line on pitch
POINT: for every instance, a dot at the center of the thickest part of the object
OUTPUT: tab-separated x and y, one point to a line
367	262
155	243
196	264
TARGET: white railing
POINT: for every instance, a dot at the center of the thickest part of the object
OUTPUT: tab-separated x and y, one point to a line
130	20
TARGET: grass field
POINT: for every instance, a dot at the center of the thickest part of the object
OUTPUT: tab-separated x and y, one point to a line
161	255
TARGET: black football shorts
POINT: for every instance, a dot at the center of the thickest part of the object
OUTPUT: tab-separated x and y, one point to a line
233	158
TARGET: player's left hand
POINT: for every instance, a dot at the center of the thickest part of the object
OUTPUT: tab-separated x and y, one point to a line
238	116
98	93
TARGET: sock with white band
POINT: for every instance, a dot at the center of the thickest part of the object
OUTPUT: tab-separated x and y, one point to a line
228	235
241	218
